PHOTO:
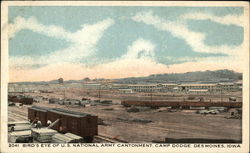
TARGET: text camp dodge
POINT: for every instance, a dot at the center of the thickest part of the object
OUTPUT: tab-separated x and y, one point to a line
54	145
160	145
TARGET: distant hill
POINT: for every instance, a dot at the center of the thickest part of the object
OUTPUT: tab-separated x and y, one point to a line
198	76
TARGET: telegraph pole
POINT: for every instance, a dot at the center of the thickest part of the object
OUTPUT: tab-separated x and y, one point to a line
99	93
151	95
221	93
61	82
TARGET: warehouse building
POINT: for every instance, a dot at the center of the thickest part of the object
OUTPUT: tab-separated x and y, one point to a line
169	87
199	87
145	87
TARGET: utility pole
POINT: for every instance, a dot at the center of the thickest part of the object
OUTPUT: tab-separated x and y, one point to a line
61	82
99	93
64	92
221	93
151	95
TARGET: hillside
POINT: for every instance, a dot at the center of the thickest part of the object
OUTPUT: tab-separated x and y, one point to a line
198	76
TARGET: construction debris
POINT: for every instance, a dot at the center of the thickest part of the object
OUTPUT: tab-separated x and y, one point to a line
173	110
106	101
163	109
143	108
235	114
141	120
197	108
108	109
133	109
208	112
138	109
220	109
135	120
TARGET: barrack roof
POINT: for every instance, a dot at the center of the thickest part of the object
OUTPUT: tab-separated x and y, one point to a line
197	84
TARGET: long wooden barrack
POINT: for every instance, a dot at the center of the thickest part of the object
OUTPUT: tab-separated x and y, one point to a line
181	104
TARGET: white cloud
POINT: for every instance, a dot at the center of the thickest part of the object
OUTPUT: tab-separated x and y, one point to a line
180	30
21	62
87	35
227	20
187	58
82	42
145	47
32	24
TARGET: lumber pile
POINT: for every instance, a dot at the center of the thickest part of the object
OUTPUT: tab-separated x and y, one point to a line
66	138
75	138
60	138
43	134
24	135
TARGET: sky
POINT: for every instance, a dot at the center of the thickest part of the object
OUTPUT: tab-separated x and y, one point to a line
74	42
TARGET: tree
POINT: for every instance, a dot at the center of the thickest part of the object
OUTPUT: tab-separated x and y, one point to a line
86	79
60	80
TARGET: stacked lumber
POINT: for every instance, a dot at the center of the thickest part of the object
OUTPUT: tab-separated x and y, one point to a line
43	134
66	138
60	138
13	136
75	138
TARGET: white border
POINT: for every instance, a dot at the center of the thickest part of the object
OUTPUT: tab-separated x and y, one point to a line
4	73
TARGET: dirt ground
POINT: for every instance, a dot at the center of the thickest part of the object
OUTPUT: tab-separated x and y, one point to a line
180	124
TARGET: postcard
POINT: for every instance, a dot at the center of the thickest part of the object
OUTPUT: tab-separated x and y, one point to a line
123	76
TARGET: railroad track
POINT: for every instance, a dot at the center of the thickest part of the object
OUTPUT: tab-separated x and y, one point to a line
108	139
21	112
12	118
17	115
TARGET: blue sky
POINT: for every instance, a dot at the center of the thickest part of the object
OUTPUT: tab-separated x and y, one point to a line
114	42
